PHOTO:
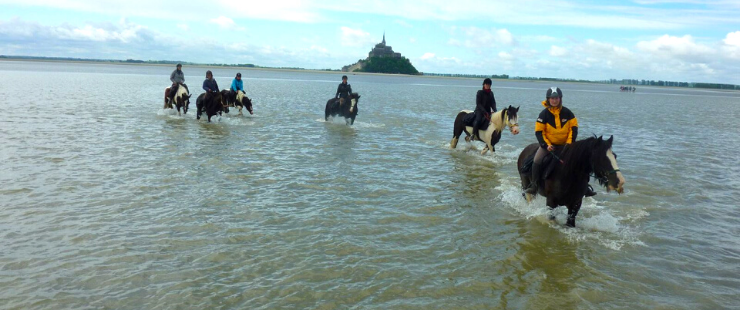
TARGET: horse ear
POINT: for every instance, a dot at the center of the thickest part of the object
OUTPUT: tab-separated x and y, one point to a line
609	142
517	109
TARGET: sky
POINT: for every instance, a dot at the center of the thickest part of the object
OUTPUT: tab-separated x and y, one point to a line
681	40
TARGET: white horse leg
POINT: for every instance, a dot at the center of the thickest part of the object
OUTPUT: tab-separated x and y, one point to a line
528	197
240	110
485	150
453	143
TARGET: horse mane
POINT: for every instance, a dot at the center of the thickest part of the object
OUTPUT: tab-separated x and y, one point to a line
499	122
181	92
577	156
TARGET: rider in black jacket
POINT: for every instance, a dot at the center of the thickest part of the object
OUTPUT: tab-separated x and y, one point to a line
485	105
343	90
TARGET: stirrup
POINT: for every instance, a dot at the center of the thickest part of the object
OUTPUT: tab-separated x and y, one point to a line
590	191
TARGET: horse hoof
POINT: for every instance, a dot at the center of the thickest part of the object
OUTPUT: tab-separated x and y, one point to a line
571	222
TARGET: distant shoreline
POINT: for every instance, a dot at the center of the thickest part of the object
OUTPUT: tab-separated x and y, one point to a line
336	72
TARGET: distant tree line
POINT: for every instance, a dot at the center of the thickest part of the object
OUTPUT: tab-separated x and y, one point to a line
401	66
482	76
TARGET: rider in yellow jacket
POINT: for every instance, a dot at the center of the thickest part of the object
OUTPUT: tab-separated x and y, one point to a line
556	126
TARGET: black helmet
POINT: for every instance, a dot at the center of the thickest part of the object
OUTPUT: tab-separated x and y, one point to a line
487	81
208	73
179	65
344	77
238	74
553	92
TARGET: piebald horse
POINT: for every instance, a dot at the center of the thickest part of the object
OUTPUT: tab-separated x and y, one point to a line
181	98
490	135
242	101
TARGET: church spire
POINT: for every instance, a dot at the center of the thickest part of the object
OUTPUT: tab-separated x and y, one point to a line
383	37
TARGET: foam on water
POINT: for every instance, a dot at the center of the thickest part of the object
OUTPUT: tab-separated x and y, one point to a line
595	222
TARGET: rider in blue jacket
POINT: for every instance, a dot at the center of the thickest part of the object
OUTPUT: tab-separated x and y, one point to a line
237	84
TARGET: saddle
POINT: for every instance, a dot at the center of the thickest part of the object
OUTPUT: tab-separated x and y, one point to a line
469	119
547	166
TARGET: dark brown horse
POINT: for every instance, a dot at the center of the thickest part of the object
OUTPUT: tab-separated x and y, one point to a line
211	106
348	110
490	134
567	180
181	99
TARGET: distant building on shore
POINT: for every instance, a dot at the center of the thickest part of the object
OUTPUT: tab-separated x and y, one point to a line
380	50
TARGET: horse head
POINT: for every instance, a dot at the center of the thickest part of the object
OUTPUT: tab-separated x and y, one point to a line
186	102
512	119
242	98
605	167
354	97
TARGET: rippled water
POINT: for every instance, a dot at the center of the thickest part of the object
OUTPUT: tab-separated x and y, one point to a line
107	201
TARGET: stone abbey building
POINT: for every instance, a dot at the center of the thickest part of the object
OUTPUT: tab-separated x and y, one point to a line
380	50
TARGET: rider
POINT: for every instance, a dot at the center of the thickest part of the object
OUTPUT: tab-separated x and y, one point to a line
210	85
344	90
236	86
177	78
556	126
485	104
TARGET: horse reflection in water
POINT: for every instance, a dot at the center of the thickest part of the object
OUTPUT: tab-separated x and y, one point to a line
348	110
567	174
490	133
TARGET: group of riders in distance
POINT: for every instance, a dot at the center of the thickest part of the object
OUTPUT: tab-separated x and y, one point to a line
627	88
212	101
556	167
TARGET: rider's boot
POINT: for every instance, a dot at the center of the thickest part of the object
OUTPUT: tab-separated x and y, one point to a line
532	189
475	134
590	191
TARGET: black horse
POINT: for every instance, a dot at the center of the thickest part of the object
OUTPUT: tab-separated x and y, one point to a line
236	99
567	174
348	110
491	132
212	106
181	99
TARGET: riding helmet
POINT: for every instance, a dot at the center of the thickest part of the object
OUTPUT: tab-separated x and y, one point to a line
238	74
553	92
208	72
179	65
344	77
487	81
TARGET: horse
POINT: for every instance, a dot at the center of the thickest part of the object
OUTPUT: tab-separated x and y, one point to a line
236	99
182	99
347	110
566	177
213	106
490	134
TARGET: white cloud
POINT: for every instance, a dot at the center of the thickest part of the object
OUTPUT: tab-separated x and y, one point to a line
557	51
427	56
474	37
625	15
412	40
356	37
224	22
732	39
183	27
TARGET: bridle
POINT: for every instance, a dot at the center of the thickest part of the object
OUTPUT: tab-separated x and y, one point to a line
506	123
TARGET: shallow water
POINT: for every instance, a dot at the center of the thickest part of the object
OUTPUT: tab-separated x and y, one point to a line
108	201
